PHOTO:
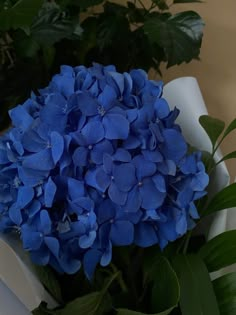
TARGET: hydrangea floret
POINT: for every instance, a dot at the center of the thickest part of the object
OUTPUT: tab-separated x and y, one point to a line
94	161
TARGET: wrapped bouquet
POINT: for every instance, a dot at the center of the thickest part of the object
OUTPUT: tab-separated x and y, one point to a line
106	189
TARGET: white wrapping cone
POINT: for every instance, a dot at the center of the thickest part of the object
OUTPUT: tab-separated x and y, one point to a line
16	274
184	93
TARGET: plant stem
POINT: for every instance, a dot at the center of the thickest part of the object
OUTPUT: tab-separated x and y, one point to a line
120	278
189	234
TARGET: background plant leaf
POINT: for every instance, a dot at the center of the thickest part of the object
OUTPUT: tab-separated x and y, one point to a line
20	15
197	294
220	251
213	127
225	290
179	35
231	155
224	199
122	311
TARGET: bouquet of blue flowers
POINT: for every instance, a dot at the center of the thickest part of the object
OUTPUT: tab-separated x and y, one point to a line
104	192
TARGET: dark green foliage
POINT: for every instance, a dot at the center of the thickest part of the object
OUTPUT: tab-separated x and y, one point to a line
36	37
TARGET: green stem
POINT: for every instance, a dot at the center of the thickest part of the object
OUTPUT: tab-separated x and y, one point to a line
185	249
119	278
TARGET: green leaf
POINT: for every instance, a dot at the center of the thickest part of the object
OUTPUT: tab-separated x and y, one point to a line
85	4
230	128
123	311
225	290
197	294
186	1
48	279
231	155
165	292
220	251
51	27
20	15
162	5
224	199
213	127
179	35
26	47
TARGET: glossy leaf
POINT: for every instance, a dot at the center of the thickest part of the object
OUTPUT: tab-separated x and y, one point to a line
179	35
220	251
224	199
213	127
225	290
20	15
197	294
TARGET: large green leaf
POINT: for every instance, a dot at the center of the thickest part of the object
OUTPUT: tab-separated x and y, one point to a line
220	251
20	15
225	290
51	27
197	294
123	311
213	127
224	199
162	5
179	35
48	279
165	290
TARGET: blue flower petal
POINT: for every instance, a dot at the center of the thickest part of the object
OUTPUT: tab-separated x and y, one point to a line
102	180
124	176
119	80
87	105
122	155
15	214
20	118
162	108
99	150
107	97
144	168
75	188
122	233
145	235
174	146
91	259
117	196
106	256
105	212
93	132
159	182
34	208
116	126
45	221
25	196
49	192
80	156
41	161
53	245
31	240
87	240
134	201
151	197
57	143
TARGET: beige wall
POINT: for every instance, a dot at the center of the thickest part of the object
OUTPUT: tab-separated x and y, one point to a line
216	72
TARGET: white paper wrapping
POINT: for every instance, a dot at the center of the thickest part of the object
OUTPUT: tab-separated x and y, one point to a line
184	93
16	274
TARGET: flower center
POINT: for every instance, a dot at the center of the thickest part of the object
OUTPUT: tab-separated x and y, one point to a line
140	184
101	110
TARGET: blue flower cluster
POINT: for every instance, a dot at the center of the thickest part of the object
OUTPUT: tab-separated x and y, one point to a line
96	161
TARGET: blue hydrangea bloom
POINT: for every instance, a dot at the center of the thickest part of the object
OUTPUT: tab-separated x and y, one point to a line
94	161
